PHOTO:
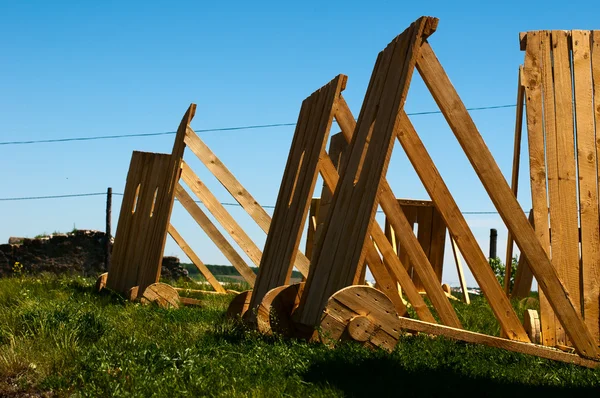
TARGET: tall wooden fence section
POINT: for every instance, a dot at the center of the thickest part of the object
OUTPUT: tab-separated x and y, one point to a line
561	83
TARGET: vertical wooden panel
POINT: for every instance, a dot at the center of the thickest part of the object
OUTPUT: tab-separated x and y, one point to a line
354	203
591	274
505	202
568	267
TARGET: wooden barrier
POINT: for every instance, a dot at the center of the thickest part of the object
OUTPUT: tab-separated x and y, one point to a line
329	299
560	80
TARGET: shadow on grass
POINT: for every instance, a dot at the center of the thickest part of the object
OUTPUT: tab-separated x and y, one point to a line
387	377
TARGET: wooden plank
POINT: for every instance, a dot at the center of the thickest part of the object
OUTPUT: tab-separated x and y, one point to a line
514	185
425	220
591	275
115	280
215	235
417	326
298	183
588	178
313	214
538	121
414	248
438	243
524	277
490	175
210	278
163	206
340	252
410	213
459	270
459	229
151	214
221	214
235	188
568	268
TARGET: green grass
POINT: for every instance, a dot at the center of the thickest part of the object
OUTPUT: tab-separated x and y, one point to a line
59	337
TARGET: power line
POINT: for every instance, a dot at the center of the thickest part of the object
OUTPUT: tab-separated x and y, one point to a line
249	127
77	195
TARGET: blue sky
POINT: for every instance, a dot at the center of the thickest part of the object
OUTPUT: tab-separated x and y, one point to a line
73	69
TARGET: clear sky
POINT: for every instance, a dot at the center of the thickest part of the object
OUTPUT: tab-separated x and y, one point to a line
78	68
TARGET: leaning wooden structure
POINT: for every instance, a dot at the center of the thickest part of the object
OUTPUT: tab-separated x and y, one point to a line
154	182
330	305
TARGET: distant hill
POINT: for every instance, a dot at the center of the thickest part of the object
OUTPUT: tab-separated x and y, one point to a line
224	270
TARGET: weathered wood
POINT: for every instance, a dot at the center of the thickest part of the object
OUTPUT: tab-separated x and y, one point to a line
236	189
588	178
591	274
163	205
162	294
221	214
210	278
514	185
299	179
101	282
490	175
539	121
134	261
524	277
356	194
215	235
459	270
107	233
459	229
239	305
568	267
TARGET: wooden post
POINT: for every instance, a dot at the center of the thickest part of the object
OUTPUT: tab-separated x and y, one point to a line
493	243
108	228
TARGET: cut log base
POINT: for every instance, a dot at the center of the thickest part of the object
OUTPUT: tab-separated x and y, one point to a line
239	305
274	314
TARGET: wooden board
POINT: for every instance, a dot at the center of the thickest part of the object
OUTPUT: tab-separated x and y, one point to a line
588	179
533	78
340	251
210	278
221	214
299	179
144	216
215	235
237	190
131	253
504	200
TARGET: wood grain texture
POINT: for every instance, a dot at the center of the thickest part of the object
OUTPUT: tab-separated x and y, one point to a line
221	214
236	189
514	184
459	229
210	278
215	235
588	179
539	122
497	188
298	183
354	204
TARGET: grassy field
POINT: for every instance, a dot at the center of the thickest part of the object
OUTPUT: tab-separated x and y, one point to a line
59	338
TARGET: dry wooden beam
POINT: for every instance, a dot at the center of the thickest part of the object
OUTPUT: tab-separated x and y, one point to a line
515	175
210	278
416	326
538	121
215	235
459	271
488	171
221	214
237	190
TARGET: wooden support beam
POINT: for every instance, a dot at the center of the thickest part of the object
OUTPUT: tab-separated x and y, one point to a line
221	214
210	278
215	235
472	143
237	190
459	271
515	175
